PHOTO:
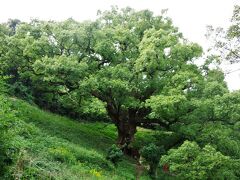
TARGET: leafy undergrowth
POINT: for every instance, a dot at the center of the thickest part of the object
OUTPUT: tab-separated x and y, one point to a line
55	147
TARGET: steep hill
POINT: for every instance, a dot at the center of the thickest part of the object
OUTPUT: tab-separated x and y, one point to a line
56	147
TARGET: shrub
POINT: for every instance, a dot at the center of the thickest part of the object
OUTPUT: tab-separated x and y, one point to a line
114	154
151	154
3	85
13	131
190	161
8	130
19	90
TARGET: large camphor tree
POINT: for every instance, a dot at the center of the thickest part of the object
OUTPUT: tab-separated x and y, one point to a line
135	59
142	71
138	65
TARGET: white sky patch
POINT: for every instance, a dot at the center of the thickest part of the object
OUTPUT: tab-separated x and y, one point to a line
191	16
232	75
167	51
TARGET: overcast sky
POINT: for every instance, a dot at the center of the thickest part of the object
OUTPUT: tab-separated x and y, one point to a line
191	16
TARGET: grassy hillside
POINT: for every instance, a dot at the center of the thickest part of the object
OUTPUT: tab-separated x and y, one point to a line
55	147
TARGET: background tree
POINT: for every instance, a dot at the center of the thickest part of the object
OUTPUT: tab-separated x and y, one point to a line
190	161
227	42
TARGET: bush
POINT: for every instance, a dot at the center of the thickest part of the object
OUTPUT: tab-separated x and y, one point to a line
190	161
12	128
114	154
151	154
3	85
8	123
19	90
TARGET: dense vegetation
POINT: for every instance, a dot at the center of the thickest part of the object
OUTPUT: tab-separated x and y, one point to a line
48	146
134	72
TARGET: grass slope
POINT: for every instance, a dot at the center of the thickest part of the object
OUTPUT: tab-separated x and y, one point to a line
56	147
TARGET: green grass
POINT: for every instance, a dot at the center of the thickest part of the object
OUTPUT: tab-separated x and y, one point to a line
56	147
91	135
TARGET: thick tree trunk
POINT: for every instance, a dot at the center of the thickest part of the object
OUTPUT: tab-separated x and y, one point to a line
126	132
126	128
